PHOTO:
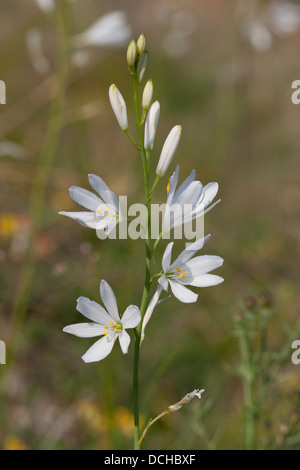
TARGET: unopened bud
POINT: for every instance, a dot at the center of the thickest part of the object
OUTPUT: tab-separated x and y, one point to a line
119	107
141	44
151	125
147	95
141	66
168	150
132	54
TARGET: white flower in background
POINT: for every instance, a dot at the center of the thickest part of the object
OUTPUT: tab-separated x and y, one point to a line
151	125
283	17
103	212
46	5
9	148
257	25
168	150
34	44
119	106
110	30
184	271
106	322
190	195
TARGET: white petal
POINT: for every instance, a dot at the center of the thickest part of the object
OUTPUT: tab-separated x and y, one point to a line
124	339
204	264
206	280
163	283
173	183
186	183
182	293
150	309
83	218
85	198
85	330
109	299
190	195
131	317
166	260
210	191
101	187
190	251
99	350
92	311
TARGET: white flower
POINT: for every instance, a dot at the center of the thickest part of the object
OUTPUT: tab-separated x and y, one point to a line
110	30
104	211
106	322
151	125
168	150
189	271
119	106
185	270
189	201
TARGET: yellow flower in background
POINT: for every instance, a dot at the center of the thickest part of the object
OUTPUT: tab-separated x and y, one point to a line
14	443
91	414
8	224
123	420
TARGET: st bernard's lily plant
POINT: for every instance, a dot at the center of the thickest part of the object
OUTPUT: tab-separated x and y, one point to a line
184	204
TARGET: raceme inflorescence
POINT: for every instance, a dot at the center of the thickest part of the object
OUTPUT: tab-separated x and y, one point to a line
184	204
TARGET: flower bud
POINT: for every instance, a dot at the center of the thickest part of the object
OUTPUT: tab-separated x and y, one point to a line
119	107
147	95
141	44
151	125
141	66
132	54
168	150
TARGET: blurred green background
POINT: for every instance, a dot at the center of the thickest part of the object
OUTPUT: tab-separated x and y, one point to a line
224	71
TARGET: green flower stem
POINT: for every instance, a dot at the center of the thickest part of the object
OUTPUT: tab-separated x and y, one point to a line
154	185
147	282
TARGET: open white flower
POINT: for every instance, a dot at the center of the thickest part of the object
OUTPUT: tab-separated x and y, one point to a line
106	322
110	30
184	271
190	201
103	212
189	271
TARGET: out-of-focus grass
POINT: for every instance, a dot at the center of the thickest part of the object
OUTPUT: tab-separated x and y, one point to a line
240	129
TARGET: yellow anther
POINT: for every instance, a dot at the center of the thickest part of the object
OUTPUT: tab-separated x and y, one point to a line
178	269
182	275
99	212
168	186
114	323
111	323
105	334
106	327
185	272
115	330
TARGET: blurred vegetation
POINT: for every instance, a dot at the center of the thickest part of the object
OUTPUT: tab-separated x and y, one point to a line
240	129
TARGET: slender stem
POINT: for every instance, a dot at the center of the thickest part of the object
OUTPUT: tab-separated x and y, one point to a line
147	282
44	166
248	391
154	185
